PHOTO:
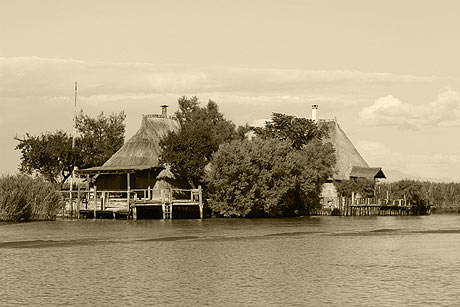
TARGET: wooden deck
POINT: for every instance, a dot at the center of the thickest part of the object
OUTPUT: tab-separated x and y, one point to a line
135	204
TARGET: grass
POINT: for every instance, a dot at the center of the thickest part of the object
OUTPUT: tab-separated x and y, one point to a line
23	198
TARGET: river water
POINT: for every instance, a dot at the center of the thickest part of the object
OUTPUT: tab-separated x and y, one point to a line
312	261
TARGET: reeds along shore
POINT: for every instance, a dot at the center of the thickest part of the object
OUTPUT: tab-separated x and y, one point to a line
23	198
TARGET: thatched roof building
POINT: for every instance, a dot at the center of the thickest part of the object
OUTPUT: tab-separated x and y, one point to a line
350	164
138	156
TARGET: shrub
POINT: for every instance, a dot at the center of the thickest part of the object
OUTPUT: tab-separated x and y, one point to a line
267	177
23	198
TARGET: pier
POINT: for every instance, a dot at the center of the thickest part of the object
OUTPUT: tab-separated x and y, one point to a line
372	206
134	204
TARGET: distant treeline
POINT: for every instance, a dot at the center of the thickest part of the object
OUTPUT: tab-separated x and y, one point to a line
445	197
23	198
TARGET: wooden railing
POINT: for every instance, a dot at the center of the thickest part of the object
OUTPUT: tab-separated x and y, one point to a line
122	200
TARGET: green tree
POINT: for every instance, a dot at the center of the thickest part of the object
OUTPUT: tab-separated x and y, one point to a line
51	155
267	177
189	150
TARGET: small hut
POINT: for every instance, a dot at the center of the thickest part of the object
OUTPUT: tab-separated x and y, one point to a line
137	160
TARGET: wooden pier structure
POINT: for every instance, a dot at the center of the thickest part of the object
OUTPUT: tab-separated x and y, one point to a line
373	206
134	204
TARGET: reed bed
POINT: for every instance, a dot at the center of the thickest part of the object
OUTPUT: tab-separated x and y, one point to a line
23	198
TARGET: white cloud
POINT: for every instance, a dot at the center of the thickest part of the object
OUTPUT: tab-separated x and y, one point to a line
390	111
34	76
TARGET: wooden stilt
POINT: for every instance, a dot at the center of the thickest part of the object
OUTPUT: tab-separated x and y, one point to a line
170	204
128	192
78	202
200	200
95	201
70	203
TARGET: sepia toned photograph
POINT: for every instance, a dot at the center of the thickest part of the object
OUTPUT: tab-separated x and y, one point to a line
230	153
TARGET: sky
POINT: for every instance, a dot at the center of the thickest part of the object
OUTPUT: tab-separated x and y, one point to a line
389	71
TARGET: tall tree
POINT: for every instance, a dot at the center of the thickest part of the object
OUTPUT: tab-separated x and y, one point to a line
295	130
280	173
100	137
267	177
51	155
189	150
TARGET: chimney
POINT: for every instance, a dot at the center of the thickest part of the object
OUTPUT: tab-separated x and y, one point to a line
164	111
314	107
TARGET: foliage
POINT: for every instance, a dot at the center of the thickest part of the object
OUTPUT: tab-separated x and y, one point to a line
444	196
267	177
203	129
24	198
51	155
99	138
297	131
365	187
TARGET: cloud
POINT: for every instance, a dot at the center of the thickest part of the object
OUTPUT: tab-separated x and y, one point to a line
427	165
390	111
47	77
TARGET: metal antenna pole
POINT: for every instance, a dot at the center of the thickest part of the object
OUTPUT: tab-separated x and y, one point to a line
72	177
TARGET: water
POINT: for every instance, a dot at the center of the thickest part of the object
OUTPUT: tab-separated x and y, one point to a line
317	261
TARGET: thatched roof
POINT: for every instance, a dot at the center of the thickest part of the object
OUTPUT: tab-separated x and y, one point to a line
367	172
346	154
142	150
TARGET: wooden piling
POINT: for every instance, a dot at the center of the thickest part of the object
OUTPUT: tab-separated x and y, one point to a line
128	188
200	200
78	202
95	201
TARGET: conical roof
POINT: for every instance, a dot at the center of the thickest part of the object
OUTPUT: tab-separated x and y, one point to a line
142	150
346	154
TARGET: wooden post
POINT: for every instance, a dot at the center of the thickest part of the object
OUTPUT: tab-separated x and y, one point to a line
70	203
200	200
95	201
78	203
170	204
87	190
128	191
103	201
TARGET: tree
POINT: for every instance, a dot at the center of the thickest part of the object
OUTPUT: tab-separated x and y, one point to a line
189	150
99	138
298	131
267	177
51	154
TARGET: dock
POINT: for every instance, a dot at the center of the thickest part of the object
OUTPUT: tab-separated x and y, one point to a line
136	204
372	206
